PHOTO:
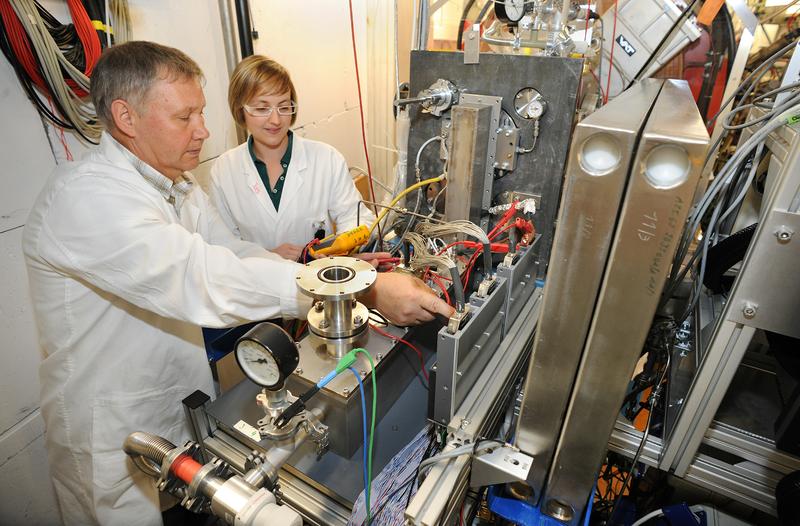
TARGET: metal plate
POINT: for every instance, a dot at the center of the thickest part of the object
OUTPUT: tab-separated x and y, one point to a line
580	250
337	277
771	286
645	239
473	128
521	279
463	355
491	149
539	172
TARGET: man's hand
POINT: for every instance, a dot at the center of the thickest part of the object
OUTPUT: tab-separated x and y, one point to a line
405	300
288	251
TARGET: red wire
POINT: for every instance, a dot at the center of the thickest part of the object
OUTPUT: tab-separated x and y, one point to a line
611	58
471	264
504	229
89	39
586	30
401	340
361	112
438	280
300	330
599	84
20	44
61	136
86	34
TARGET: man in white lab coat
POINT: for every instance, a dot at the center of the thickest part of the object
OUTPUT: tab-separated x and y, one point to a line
126	259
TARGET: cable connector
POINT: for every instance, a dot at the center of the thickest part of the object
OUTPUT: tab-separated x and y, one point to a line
346	361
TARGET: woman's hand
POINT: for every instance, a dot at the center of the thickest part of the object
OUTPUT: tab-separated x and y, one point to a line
288	251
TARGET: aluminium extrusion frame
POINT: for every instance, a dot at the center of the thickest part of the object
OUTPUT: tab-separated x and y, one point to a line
758	300
436	501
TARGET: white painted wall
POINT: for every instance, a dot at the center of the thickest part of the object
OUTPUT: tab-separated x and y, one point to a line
311	38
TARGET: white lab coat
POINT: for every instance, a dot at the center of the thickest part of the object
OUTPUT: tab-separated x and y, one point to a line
120	285
318	190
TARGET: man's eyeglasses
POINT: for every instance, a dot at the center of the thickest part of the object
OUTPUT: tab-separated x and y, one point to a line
265	111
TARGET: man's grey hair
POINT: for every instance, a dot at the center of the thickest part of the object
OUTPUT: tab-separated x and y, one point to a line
128	71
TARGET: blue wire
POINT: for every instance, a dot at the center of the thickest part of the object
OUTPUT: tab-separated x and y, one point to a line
364	421
589	507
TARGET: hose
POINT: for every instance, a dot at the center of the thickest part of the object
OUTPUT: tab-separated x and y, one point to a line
147	451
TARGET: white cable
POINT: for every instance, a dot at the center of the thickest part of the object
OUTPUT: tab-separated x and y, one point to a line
467	449
453	227
653	514
78	112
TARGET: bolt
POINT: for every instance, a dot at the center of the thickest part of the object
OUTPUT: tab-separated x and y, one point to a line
318	306
749	310
464	423
323	324
784	234
345	391
358	320
299	371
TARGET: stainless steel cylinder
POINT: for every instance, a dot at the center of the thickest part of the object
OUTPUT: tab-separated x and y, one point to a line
337	319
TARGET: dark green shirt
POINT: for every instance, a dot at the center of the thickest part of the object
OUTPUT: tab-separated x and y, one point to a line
276	192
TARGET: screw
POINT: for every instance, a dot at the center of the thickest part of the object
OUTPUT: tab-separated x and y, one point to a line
353	302
299	371
379	356
784	234
508	133
464	423
357	320
363	372
318	306
345	391
323	324
749	310
519	95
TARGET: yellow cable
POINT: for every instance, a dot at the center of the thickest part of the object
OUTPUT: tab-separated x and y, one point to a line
402	195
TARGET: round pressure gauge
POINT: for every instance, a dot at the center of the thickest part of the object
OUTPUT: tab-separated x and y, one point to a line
510	11
267	355
530	104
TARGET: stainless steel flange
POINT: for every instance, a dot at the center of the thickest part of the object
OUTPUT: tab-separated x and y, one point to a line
334	283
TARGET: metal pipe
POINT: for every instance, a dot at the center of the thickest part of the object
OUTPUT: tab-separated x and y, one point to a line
245	33
231	50
339	315
147	451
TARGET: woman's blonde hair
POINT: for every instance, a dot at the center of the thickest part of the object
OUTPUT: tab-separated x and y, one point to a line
251	76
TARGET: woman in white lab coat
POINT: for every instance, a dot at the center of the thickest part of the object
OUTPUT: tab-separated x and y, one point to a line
278	189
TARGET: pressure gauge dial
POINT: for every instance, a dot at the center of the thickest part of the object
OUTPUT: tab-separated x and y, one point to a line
267	355
530	104
510	11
